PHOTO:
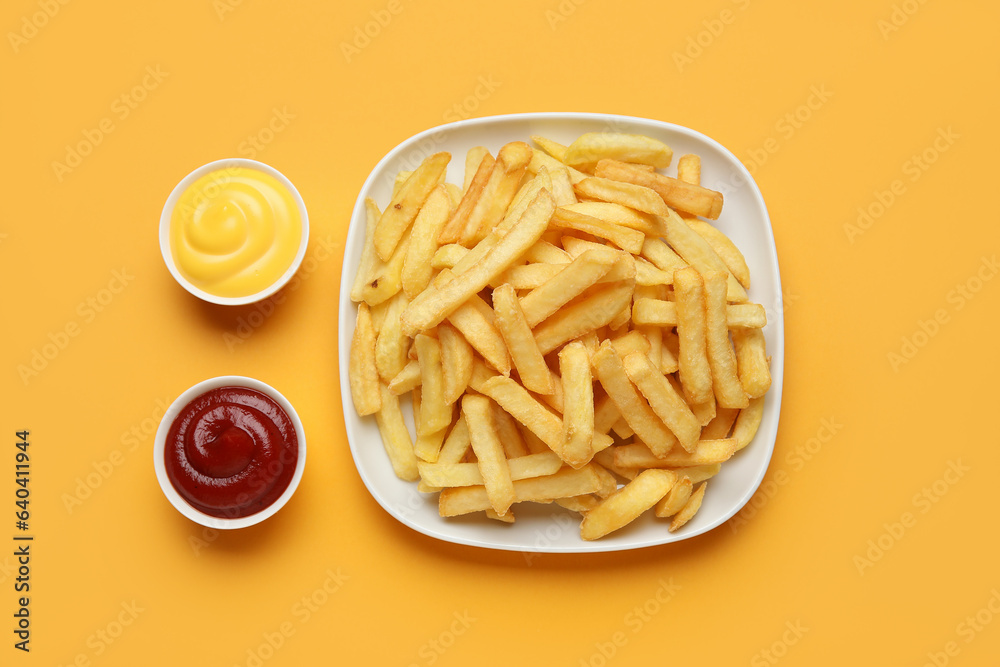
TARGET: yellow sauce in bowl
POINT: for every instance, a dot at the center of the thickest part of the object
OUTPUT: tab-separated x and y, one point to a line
235	231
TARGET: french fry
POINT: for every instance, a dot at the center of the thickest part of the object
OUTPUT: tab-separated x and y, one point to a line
562	188
694	371
566	483
617	214
721	424
524	197
395	436
370	264
661	255
676	498
407	379
387	278
610	372
362	372
545	252
392	347
455	227
541	159
569	282
473	158
447	256
623	237
417	270
553	148
677	194
751	361
748	422
699	473
724	248
697	252
729	392
578	413
689	169
746	316
619	192
456	444
633	341
632	500
529	276
592	147
399	214
596	308
521	344
489	452
445	475
456	362
435	413
499	191
510	436
432	306
668	405
639	455
475	321
690	508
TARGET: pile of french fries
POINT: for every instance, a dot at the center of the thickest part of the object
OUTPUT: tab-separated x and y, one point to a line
570	327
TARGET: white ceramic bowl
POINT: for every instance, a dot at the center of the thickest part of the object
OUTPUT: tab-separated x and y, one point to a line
159	448
548	528
168	211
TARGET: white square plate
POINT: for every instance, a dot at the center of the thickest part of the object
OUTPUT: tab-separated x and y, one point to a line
549	528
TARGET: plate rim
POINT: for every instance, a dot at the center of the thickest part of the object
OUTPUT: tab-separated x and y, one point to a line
775	319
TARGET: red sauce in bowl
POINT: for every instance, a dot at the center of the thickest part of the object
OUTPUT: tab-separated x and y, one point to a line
231	452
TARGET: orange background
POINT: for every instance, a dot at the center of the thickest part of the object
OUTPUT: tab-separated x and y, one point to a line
122	554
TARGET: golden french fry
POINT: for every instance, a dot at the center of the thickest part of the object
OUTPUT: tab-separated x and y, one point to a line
726	384
407	379
395	436
617	214
362	371
677	194
619	192
746	316
541	159
571	281
581	504
387	278
669	352
690	508
370	264
626	344
473	158
676	498
545	252
392	347
724	248
699	254
668	405
456	362
475	320
453	229
694	371
578	412
721	424
748	422
562	187
445	475
623	237
689	169
566	483
399	214
489	452
623	507
553	148
510	435
524	352
751	361
447	256
435	413
499	191
610	372
433	305
662	256
427	447
699	473
529	276
417	269
524	197
596	308
639	455
592	147
456	444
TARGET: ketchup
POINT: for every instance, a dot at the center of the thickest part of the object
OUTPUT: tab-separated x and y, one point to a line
231	452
